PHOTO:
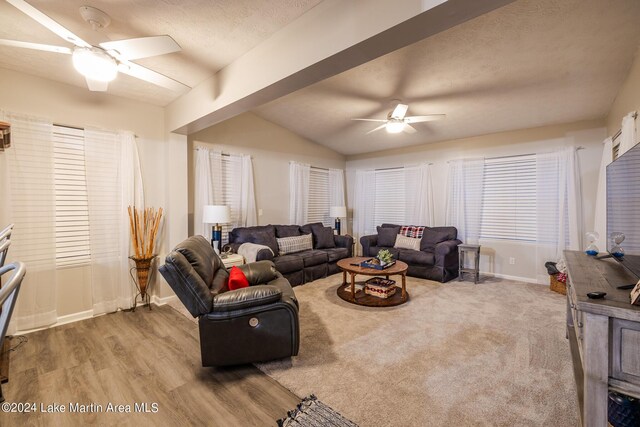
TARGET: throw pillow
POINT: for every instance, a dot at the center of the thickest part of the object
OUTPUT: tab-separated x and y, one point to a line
431	238
412	231
287	230
265	238
387	236
290	245
237	279
404	242
323	237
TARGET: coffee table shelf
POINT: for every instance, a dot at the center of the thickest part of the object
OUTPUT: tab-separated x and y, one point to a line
347	291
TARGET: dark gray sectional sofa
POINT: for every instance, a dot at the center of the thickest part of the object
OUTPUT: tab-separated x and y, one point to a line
299	267
437	258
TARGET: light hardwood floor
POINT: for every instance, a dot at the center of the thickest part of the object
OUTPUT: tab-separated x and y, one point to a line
143	357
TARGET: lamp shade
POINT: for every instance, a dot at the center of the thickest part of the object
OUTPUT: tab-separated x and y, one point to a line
215	214
338	211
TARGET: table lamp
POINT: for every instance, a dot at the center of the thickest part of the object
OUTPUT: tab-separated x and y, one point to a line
338	212
216	214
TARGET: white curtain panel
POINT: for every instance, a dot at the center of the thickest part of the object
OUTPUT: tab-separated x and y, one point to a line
465	184
363	206
336	187
224	180
103	156
419	195
558	206
247	213
203	191
628	136
600	217
298	192
31	207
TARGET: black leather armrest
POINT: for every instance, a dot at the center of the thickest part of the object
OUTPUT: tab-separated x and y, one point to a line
264	255
246	297
234	247
447	253
345	241
259	272
367	242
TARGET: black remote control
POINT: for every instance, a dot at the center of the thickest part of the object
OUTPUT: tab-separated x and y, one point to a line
631	286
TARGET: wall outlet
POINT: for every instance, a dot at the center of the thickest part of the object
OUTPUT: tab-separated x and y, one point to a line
259	212
512	261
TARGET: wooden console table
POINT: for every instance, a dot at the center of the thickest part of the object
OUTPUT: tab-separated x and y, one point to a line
604	334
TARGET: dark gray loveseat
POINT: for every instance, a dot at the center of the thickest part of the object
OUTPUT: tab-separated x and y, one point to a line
437	258
300	267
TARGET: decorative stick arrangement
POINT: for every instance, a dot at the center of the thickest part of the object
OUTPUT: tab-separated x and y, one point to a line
144	226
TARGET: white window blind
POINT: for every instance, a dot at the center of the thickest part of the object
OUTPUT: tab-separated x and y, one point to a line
509	198
72	210
318	208
390	200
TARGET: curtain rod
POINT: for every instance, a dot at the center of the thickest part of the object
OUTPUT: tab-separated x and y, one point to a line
399	167
617	134
82	129
515	155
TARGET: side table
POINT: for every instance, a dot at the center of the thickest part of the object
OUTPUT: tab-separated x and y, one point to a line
232	259
475	270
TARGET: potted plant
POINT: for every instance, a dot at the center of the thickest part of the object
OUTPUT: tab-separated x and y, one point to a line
385	257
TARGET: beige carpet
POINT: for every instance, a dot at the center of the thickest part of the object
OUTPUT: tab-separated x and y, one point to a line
457	354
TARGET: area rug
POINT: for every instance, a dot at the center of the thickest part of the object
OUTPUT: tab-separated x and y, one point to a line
311	412
457	354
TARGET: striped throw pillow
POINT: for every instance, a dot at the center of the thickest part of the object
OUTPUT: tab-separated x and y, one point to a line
290	245
404	242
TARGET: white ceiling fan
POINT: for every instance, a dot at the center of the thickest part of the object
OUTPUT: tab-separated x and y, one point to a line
101	64
396	121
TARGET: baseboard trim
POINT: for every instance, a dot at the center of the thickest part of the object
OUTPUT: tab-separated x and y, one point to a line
162	301
62	320
508	277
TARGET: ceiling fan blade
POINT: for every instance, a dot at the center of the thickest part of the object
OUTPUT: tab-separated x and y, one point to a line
378	128
143	47
151	76
36	46
52	25
408	128
420	119
371	120
400	111
96	85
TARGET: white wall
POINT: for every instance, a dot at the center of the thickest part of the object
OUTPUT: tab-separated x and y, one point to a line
74	106
495	254
271	147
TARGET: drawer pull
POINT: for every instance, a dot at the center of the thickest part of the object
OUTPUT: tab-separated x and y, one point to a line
580	325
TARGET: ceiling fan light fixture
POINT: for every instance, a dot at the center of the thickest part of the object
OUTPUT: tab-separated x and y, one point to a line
394	126
95	64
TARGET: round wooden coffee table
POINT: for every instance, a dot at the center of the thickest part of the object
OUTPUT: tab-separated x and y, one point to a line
349	294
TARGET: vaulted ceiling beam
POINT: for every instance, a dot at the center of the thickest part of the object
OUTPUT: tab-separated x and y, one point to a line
333	37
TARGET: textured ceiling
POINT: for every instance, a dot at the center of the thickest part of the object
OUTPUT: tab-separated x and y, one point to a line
531	63
212	34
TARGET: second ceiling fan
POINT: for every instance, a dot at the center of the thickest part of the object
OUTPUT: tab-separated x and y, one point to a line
397	121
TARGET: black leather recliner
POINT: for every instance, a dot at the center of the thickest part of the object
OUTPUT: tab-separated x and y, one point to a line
253	324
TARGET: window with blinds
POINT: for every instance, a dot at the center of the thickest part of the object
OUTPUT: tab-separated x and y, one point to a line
318	208
390	200
509	198
72	210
